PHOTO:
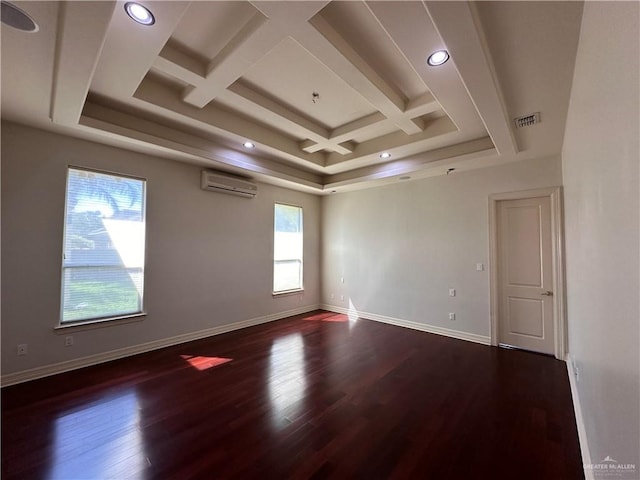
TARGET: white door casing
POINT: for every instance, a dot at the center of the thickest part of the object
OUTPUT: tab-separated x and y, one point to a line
527	283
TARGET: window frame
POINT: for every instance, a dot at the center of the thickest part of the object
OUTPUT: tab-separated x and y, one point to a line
107	319
278	293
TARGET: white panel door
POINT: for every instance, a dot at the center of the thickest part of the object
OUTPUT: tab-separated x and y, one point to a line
525	317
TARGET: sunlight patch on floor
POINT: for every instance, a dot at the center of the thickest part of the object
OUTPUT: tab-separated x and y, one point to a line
204	363
287	381
328	317
100	440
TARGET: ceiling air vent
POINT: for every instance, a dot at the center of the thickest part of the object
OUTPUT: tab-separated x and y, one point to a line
527	120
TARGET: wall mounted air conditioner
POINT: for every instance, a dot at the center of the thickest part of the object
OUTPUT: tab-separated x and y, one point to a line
223	183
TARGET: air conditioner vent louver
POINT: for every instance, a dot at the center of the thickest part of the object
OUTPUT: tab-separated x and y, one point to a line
527	120
223	183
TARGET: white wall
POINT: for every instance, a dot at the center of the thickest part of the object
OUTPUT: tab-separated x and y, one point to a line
208	259
401	247
600	160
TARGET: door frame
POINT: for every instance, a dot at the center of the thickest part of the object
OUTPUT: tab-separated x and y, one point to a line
557	262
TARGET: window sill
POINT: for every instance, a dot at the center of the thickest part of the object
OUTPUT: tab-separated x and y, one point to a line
100	323
287	292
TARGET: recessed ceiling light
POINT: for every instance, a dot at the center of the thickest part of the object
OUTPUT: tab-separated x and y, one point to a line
248	145
139	13
438	58
17	18
385	155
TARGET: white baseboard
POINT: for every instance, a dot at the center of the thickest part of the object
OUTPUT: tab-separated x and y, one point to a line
577	409
47	370
447	332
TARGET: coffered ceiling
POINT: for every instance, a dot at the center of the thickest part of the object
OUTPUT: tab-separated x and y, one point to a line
322	89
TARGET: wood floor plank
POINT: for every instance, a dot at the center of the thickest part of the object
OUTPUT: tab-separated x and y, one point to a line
310	397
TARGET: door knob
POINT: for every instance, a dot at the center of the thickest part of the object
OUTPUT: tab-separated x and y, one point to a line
547	293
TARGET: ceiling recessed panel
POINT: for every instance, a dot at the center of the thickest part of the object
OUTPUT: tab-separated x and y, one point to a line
321	88
291	75
207	27
250	101
27	63
356	24
548	32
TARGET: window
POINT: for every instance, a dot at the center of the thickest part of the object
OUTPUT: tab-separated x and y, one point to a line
104	238
287	249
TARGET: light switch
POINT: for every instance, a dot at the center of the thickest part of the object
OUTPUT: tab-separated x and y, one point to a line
479	267
452	292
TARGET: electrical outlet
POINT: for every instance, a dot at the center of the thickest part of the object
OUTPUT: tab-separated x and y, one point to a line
68	341
452	316
341	279
332	296
342	298
452	292
22	349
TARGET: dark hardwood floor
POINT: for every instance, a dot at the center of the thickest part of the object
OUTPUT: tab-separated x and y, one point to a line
314	396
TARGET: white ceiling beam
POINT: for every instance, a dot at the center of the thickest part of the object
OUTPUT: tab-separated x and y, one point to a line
415	34
249	45
134	46
397	140
464	39
311	146
472	150
423	105
357	127
82	30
